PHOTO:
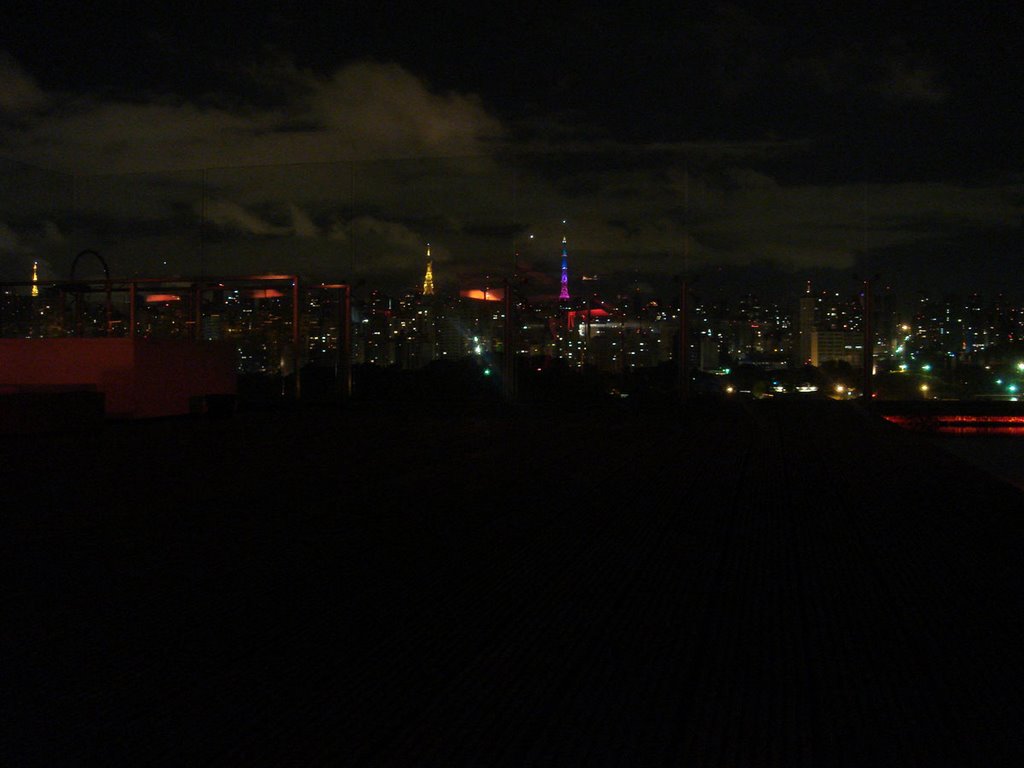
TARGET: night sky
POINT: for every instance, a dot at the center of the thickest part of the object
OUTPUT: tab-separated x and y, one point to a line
748	148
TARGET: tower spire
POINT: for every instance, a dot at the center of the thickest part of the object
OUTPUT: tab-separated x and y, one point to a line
35	278
428	279
564	293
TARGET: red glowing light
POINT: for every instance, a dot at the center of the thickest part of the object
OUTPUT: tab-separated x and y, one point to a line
957	424
954	419
489	294
162	298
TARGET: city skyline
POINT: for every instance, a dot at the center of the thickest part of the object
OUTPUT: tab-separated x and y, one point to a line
421	324
535	285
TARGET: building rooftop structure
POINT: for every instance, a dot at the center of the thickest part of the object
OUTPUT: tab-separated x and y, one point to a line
733	583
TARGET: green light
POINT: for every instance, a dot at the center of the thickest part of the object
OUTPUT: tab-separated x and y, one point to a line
926	367
487	371
1011	388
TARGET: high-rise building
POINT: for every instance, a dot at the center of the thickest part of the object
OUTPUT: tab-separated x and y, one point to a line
837	346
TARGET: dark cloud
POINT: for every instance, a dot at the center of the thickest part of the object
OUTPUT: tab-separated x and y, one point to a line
19	93
363	110
913	83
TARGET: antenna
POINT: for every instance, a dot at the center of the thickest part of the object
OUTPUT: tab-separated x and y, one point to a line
864	219
515	227
686	216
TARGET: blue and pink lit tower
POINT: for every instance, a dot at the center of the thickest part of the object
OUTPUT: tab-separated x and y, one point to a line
563	295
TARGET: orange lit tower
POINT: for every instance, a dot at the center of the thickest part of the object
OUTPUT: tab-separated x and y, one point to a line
428	279
35	278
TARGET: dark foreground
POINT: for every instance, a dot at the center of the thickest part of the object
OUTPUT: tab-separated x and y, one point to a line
790	584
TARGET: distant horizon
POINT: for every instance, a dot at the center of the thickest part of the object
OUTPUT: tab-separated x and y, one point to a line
770	286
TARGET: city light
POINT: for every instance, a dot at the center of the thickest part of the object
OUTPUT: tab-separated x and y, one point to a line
599	334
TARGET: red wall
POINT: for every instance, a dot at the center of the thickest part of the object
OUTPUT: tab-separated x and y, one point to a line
138	377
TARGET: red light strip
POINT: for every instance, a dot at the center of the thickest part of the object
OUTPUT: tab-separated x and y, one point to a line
956	419
961	424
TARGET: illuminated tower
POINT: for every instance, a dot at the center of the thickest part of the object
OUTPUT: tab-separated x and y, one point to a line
564	293
35	278
428	279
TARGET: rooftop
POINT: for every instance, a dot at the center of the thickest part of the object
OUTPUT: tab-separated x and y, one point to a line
735	583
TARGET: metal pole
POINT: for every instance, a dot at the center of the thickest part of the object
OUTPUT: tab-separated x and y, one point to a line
684	374
132	288
345	329
202	224
295	336
587	357
622	347
339	341
869	357
109	308
197	312
508	386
